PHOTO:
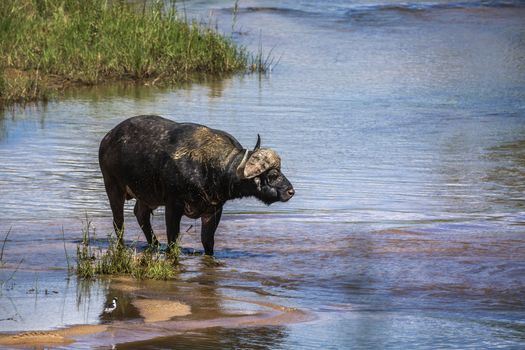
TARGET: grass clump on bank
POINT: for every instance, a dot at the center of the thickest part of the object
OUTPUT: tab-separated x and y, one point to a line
18	87
49	44
118	259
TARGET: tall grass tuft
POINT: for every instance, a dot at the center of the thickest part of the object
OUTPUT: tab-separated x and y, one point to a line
54	43
20	87
119	259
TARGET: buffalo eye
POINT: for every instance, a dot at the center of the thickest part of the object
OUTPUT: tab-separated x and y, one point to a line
273	176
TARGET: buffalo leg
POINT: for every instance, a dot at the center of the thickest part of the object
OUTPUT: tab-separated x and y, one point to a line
209	225
143	214
173	215
116	197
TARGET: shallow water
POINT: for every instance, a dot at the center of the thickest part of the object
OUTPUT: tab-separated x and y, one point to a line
401	126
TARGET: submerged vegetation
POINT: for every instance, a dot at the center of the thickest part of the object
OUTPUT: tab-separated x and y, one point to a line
118	259
47	45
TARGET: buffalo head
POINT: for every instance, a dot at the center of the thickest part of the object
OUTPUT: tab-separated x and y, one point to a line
262	166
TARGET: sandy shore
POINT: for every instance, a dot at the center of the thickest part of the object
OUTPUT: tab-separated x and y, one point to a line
50	338
161	310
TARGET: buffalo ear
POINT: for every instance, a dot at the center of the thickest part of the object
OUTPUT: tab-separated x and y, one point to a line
260	161
258	144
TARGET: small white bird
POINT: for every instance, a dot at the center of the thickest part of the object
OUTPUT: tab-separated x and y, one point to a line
111	307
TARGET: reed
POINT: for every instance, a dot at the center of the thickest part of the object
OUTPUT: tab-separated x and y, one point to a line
3	246
47	45
69	267
119	259
3	282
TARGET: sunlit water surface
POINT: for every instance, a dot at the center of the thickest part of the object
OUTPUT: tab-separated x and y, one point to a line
401	126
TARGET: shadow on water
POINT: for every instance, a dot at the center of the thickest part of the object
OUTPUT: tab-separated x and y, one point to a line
506	180
228	253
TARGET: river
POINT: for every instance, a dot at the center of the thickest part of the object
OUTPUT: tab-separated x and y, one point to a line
402	128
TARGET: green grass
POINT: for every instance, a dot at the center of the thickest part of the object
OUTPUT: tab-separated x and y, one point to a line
47	45
119	259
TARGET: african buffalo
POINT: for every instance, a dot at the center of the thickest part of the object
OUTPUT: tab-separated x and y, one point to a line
190	169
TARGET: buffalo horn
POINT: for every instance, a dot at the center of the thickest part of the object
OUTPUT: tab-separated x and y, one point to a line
258	144
240	168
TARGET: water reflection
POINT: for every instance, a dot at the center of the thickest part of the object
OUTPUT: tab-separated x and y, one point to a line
149	91
18	121
125	309
259	338
40	300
